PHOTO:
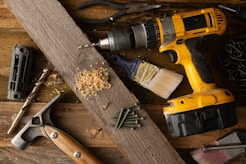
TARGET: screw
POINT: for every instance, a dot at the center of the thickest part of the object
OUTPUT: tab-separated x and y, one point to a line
135	107
126	126
119	117
132	128
124	111
137	118
130	122
132	125
132	116
129	116
123	119
77	154
54	135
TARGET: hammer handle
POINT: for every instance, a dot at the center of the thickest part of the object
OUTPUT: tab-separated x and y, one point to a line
69	146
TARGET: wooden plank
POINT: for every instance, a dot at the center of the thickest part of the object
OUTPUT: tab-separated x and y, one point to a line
56	34
50	154
87	131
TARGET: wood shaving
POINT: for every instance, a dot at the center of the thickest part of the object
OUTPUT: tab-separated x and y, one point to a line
54	80
90	82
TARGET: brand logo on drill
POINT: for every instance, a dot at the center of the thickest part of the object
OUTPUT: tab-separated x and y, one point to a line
157	30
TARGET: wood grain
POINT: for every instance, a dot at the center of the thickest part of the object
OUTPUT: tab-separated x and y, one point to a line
58	37
83	125
50	154
70	146
88	132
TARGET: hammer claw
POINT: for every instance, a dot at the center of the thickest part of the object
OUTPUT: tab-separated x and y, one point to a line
37	126
33	128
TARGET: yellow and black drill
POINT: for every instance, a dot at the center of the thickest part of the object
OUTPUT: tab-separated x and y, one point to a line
208	107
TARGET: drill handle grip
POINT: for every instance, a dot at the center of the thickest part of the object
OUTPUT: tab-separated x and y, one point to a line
195	65
199	61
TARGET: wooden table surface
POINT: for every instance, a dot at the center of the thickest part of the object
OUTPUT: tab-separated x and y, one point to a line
83	127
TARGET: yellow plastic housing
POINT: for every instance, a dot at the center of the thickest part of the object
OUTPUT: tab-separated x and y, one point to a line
215	20
204	94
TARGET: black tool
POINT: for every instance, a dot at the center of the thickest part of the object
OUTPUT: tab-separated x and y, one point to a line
241	11
19	72
41	125
124	9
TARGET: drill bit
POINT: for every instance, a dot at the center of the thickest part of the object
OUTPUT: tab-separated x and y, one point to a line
240	11
29	99
227	8
88	45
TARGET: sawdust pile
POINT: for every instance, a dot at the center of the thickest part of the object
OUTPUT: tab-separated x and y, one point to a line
90	82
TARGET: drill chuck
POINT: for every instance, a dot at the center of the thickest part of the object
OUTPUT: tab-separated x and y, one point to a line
143	35
118	40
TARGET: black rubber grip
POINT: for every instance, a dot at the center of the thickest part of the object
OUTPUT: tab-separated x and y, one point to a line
202	120
153	34
199	60
20	70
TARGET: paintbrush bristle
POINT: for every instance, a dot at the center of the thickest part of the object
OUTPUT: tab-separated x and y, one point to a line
161	81
164	82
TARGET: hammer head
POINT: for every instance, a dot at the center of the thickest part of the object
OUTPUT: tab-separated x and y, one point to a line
34	128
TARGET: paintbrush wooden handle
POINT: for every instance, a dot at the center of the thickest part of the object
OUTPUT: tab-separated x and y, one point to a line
69	146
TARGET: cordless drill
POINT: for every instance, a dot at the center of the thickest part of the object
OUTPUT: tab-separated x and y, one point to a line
207	107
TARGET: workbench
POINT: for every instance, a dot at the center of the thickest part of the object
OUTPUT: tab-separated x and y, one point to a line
71	115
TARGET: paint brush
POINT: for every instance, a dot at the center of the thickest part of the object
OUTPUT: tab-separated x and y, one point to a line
222	150
160	81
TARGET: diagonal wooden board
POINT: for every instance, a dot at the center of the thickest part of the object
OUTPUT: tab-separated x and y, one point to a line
58	37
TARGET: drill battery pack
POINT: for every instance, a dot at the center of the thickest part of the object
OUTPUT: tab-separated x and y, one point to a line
20	69
201	120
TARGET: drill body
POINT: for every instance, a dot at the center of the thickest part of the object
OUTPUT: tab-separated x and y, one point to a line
207	107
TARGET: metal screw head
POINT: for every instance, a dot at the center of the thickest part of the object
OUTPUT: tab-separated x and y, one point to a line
77	154
54	135
111	19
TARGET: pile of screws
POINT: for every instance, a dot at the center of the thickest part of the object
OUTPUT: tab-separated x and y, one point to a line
128	118
232	62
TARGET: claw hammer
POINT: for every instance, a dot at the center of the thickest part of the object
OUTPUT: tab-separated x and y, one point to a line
41	125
